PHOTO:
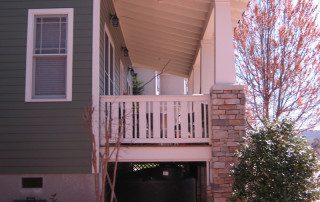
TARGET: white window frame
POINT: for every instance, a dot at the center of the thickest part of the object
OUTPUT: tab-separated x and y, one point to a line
157	82
121	86
110	42
29	88
129	84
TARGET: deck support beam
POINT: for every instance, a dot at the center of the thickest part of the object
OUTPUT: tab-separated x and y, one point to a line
163	153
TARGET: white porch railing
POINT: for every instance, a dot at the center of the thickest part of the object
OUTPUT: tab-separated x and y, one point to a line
155	119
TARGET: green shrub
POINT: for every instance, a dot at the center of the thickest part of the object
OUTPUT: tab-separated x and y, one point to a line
276	164
137	85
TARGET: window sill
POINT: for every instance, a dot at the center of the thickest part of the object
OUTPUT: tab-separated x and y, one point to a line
49	100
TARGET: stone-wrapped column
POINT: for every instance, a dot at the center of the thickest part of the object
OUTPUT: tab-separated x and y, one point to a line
228	126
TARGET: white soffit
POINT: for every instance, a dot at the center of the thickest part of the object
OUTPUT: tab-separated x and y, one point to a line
159	31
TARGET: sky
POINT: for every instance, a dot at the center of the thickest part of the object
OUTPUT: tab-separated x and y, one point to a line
311	135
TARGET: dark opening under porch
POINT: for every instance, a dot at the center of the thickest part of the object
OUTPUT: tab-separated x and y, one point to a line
160	182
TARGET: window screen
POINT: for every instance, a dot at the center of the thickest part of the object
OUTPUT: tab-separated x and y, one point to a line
50	76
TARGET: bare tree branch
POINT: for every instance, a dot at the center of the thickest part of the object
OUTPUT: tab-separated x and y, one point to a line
162	70
278	58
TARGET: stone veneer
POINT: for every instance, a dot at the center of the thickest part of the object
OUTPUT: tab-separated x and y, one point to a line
228	126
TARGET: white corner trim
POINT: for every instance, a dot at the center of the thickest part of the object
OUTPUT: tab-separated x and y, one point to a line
29	85
70	54
95	74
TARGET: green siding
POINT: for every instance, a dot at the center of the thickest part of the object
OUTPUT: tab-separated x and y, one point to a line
43	137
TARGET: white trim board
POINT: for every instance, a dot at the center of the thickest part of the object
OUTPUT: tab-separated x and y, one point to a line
163	153
95	74
110	42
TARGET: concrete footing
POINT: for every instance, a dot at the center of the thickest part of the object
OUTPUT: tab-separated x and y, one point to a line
67	187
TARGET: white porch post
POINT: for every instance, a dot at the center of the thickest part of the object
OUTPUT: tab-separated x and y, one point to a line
191	83
207	65
196	79
224	52
226	130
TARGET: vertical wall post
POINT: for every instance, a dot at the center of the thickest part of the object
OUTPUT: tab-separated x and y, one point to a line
191	83
207	65
196	79
224	51
228	126
227	104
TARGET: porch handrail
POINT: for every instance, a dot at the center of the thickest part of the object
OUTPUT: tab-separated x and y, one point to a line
124	98
155	119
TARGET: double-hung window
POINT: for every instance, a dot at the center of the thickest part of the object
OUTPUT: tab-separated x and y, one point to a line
49	55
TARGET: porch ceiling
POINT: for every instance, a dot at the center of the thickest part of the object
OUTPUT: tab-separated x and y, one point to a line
160	32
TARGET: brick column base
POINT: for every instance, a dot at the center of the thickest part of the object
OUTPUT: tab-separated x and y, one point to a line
228	126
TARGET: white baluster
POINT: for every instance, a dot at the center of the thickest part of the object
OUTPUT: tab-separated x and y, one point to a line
156	120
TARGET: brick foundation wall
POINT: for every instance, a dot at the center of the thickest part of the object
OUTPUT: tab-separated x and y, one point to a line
228	126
